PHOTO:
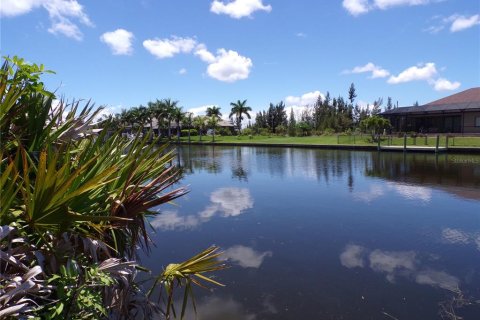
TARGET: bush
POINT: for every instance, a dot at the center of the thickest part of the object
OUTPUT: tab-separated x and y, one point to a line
264	132
184	132
224	132
328	132
247	132
281	130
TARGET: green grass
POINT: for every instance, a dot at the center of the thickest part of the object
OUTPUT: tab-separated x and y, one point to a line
357	140
313	140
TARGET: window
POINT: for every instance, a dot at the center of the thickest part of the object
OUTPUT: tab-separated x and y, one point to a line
477	121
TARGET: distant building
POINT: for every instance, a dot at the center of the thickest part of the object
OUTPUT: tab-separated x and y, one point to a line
458	113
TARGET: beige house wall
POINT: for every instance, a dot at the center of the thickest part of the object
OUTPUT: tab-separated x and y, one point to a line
469	122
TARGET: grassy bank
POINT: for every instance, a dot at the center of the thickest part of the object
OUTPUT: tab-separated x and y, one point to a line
339	140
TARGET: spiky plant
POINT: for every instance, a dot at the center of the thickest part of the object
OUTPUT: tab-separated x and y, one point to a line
75	207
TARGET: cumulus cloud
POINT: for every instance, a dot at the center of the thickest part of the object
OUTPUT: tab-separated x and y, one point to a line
182	71
456	23
119	41
239	8
374	70
229	66
460	23
246	257
197	111
167	48
202	52
66	28
225	65
358	7
443	84
305	99
424	72
414	73
60	12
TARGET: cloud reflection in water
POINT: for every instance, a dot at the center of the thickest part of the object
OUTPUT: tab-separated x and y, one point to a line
406	191
225	202
246	257
397	264
457	236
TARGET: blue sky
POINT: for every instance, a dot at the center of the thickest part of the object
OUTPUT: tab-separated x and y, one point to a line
210	52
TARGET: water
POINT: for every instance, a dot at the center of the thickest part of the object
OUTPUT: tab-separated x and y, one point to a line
324	234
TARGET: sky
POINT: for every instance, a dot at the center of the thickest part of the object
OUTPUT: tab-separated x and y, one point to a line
121	54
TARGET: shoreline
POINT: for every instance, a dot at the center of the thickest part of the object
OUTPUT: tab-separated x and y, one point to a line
463	150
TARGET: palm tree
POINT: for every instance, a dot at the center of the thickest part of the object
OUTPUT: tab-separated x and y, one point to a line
177	115
169	106
239	108
214	111
187	119
159	112
213	124
199	123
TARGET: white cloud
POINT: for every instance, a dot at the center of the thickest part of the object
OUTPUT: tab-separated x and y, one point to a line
239	8
11	8
197	111
306	99
387	4
376	71
182	71
422	72
460	23
119	41
246	257
60	12
358	7
443	84
226	65
167	48
205	55
301	35
67	29
229	66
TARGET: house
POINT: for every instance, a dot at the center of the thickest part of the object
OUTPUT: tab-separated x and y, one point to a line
458	113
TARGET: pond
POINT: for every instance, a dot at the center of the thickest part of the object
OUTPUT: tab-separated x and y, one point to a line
328	234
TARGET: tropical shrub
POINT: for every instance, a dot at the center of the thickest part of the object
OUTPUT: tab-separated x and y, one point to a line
193	132
75	207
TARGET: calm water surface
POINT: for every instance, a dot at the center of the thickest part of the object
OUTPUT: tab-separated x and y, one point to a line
320	234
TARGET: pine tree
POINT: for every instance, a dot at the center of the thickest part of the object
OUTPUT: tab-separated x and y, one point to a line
352	93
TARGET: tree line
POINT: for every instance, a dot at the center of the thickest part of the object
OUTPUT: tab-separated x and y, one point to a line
326	115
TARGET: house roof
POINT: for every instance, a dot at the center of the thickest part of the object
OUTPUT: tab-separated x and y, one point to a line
470	95
468	100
